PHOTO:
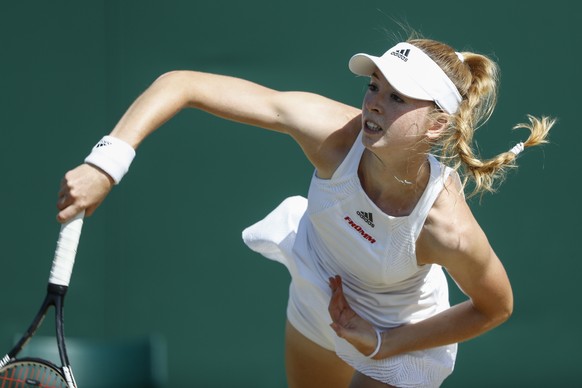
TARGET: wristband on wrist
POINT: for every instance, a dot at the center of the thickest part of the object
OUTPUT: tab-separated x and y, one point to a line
112	155
378	345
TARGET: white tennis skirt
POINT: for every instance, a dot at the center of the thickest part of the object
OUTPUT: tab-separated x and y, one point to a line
274	237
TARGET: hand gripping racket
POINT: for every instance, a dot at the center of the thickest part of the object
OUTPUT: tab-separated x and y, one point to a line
36	372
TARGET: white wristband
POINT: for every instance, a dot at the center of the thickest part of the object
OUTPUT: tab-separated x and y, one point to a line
378	345
112	155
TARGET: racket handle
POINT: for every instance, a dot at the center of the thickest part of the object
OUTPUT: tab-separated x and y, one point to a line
66	250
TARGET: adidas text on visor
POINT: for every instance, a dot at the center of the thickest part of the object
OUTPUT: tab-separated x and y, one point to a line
411	72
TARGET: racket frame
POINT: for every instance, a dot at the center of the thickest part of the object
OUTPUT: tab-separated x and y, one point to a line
55	297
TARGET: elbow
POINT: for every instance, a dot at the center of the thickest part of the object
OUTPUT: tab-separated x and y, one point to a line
495	313
508	310
506	307
505	314
187	88
176	87
171	75
501	314
171	79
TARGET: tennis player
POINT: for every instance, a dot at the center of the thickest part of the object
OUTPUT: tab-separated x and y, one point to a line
386	210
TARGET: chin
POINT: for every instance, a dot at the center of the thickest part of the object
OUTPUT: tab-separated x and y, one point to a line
373	138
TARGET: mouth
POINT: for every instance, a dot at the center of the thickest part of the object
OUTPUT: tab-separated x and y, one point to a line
372	127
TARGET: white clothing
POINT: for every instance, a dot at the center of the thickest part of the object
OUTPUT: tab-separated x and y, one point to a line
340	231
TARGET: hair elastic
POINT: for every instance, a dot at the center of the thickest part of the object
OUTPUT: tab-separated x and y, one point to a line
460	56
517	149
378	345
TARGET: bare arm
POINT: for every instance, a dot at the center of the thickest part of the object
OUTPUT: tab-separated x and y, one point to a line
308	117
451	238
312	120
478	272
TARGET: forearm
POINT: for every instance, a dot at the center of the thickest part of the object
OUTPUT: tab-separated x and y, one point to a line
457	324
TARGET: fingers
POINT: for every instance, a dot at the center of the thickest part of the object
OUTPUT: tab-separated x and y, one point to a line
335	282
339	309
70	212
65	199
346	323
338	300
338	329
67	202
68	205
82	188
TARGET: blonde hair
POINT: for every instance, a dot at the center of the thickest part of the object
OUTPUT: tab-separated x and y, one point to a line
477	79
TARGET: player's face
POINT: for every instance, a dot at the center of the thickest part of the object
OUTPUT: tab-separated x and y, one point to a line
390	119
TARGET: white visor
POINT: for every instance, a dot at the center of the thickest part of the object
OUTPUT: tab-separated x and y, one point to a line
411	72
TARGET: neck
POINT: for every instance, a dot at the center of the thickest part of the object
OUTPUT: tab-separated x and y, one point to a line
411	171
395	186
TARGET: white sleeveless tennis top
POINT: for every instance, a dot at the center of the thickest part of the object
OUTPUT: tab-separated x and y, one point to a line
340	231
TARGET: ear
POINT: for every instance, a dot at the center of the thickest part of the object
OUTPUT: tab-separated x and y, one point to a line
439	124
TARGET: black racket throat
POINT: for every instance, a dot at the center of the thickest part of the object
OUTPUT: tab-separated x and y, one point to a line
57	289
55	297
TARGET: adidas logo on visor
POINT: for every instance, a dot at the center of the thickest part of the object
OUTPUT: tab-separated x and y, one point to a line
422	78
402	54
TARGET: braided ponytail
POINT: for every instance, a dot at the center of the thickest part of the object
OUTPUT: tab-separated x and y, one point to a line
477	78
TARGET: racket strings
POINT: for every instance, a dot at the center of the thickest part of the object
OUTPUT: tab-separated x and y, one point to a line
31	374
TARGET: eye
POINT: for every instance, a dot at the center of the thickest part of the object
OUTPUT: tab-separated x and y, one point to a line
372	87
396	97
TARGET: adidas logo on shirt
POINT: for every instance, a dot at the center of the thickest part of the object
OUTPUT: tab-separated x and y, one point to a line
366	216
402	54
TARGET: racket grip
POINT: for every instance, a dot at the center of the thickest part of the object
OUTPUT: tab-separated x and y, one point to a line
66	251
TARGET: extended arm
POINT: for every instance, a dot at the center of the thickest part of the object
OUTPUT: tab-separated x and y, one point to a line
310	119
307	117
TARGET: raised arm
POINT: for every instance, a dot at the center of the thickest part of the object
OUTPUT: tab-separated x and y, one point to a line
315	122
309	118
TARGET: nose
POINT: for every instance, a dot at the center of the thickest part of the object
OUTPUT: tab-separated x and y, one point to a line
371	102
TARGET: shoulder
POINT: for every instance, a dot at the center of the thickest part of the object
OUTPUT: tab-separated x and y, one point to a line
329	150
325	129
450	230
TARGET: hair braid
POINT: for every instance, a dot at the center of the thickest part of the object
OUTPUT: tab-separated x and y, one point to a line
477	79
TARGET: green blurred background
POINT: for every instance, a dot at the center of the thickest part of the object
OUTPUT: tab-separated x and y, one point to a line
164	255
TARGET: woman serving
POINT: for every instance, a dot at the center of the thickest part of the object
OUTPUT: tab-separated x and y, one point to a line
386	212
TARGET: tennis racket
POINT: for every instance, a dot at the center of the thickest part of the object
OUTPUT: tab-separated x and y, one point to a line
36	372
